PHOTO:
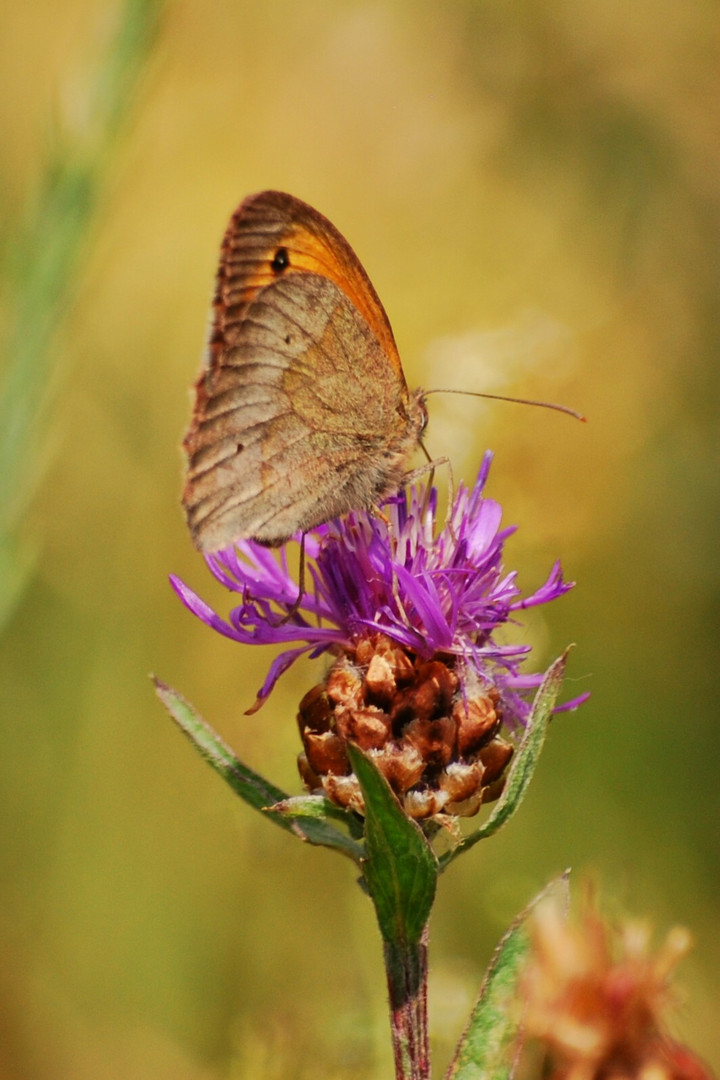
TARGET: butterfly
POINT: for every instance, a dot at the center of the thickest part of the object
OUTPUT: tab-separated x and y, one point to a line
302	412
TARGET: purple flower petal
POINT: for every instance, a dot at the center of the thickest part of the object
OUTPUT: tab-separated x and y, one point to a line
433	591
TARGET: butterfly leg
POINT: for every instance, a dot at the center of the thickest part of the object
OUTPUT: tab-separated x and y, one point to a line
292	611
301	583
430	466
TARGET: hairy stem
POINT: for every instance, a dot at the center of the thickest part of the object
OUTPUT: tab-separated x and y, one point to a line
406	967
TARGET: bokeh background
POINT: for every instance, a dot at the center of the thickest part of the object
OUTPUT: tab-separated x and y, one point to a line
535	192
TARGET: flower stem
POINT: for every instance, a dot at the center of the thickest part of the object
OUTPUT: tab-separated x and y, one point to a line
406	967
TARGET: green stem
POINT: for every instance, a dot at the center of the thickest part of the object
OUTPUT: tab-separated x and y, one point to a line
406	968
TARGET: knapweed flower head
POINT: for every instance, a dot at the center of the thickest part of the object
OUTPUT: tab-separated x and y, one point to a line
597	999
412	613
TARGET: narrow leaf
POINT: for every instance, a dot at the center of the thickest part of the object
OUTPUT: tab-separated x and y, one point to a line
524	761
400	867
249	785
319	808
310	806
489	1045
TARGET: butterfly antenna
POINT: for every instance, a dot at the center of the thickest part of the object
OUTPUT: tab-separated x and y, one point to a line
516	400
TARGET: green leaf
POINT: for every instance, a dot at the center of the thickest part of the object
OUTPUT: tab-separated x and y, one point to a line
488	1047
249	785
400	867
310	806
524	761
319	807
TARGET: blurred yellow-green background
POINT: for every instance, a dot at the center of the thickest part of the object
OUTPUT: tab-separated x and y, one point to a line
535	192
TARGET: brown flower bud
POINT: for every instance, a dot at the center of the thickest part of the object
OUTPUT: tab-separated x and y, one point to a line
466	807
429	726
495	758
315	711
310	779
368	727
434	740
326	753
429	696
423	804
380	679
345	684
475	719
597	998
401	765
459	781
345	791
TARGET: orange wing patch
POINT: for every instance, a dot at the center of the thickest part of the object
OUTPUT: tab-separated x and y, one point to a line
272	235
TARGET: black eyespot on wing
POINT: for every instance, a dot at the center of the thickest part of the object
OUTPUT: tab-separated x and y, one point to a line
288	339
281	261
239	447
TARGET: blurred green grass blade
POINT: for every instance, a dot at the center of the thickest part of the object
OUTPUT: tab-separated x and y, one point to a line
41	272
524	763
400	867
249	785
489	1045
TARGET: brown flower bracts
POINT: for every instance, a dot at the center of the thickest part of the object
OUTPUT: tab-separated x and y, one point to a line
430	727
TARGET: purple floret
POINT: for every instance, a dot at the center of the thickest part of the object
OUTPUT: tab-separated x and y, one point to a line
434	592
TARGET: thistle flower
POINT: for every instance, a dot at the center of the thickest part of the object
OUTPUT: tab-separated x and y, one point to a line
412	615
597	1000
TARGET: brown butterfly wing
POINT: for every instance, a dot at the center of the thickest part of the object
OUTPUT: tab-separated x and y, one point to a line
301	413
273	234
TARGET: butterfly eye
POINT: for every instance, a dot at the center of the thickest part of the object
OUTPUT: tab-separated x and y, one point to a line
281	261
